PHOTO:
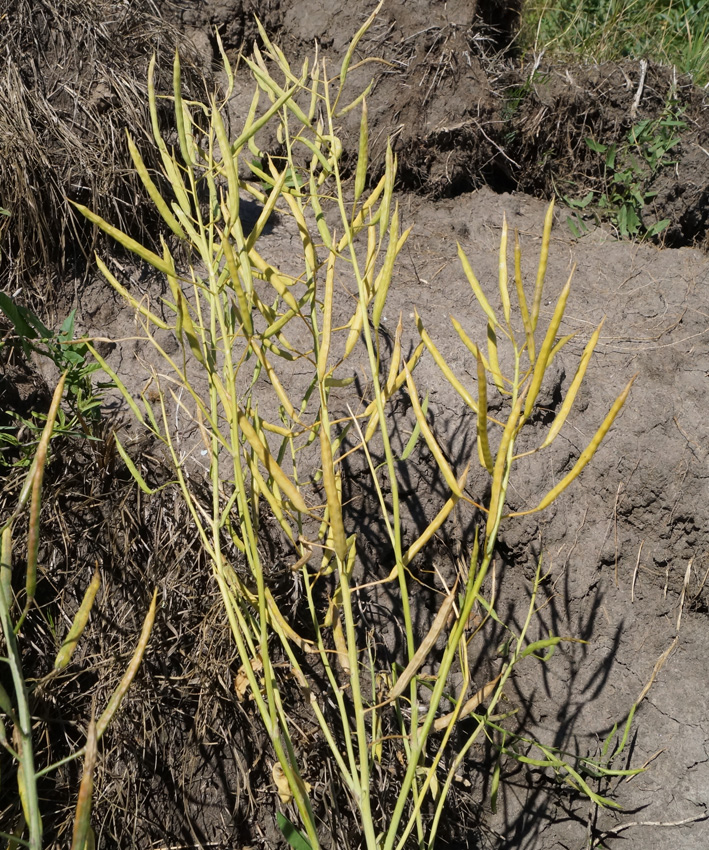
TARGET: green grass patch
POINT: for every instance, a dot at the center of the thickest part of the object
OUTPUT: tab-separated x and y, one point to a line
672	32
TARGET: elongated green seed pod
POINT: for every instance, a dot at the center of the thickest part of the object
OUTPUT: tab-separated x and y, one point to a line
586	454
77	627
502	272
363	156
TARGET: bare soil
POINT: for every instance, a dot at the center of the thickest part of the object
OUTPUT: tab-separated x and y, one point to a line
477	135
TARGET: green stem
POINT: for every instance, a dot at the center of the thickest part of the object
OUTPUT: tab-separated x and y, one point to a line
26	775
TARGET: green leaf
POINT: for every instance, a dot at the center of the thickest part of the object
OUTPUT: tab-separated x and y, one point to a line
67	329
26	324
576	226
595	146
133	469
293	836
579	204
658	227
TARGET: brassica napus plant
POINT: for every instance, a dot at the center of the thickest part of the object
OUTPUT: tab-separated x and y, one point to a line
243	325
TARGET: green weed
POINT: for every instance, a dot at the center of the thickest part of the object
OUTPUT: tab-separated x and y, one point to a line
626	170
71	357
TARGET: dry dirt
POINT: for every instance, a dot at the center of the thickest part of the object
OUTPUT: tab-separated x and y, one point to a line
627	548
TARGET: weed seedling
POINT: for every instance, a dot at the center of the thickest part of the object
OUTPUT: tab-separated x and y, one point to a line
626	170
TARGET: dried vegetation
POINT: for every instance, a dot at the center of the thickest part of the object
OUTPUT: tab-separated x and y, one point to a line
72	78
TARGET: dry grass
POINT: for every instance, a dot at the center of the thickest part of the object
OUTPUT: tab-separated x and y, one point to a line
72	78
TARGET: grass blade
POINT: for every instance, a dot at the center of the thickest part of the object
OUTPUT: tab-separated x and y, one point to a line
293	836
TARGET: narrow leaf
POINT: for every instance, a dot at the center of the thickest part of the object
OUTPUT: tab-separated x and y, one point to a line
293	836
132	468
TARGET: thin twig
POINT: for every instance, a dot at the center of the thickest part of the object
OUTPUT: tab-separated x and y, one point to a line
684	591
639	92
623	826
635	572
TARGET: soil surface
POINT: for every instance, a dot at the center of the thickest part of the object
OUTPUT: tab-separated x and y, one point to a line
478	135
